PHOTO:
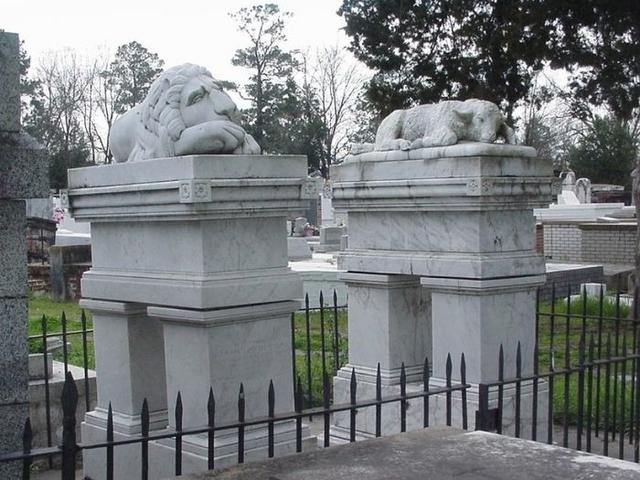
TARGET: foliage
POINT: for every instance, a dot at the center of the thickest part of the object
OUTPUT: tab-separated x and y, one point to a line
132	71
284	115
314	343
425	51
27	85
72	102
605	153
336	84
52	117
557	336
270	83
599	42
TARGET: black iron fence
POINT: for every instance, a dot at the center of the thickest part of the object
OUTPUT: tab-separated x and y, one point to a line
70	448
75	345
587	360
584	381
319	344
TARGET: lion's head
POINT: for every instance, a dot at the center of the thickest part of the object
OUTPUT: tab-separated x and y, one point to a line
182	98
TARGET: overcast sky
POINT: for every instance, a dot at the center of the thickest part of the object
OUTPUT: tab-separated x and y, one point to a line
196	31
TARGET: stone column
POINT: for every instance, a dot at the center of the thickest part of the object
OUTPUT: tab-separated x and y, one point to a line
388	325
190	271
130	367
459	219
23	174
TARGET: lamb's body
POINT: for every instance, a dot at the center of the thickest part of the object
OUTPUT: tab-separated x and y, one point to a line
439	124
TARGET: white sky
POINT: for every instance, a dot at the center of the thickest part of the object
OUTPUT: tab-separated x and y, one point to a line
179	31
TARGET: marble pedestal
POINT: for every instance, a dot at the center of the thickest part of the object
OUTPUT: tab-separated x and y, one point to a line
197	246
460	218
389	324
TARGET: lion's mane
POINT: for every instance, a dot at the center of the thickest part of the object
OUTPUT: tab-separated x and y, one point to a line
160	124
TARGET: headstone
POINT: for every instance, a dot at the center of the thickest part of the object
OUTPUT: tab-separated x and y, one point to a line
593	289
330	237
299	226
326	205
441	260
23	174
583	190
298	249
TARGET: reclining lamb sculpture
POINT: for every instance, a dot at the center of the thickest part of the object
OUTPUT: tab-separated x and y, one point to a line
439	124
185	112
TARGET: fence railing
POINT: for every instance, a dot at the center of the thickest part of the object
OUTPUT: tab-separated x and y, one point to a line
585	367
70	448
317	344
589	365
41	343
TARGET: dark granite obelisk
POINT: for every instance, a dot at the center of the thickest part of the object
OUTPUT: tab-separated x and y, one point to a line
23	174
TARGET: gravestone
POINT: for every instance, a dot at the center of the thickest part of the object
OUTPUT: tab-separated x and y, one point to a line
441	260
185	296
23	174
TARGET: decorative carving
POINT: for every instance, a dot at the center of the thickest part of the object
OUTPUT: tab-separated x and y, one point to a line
193	191
327	191
439	124
476	186
185	112
309	189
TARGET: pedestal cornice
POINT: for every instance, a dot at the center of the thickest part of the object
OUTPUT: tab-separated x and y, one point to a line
468	176
198	186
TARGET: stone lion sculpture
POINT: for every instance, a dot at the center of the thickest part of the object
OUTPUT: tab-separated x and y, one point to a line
185	112
440	124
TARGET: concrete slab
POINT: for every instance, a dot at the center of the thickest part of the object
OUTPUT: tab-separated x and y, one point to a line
437	452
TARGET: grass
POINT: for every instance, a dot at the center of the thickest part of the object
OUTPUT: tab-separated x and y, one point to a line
43	306
557	336
559	343
315	345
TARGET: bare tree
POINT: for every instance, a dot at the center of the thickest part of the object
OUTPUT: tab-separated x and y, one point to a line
100	106
63	84
89	108
336	82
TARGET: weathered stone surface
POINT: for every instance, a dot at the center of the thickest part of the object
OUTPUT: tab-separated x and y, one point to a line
13	350
460	218
199	243
444	123
195	116
24	167
9	82
13	248
438	453
12	418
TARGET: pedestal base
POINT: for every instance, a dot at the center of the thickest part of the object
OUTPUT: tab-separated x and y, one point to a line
127	460
390	417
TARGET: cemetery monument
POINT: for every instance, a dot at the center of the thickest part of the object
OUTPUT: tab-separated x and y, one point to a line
441	256
185	296
24	170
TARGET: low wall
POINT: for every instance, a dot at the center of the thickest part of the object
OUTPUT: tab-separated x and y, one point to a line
564	275
590	242
38	405
609	243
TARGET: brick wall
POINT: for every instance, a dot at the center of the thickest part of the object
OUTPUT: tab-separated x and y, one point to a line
608	243
562	242
590	242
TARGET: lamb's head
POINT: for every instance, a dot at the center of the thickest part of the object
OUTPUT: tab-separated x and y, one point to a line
483	122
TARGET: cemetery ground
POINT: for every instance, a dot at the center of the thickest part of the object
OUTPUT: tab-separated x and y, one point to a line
560	330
